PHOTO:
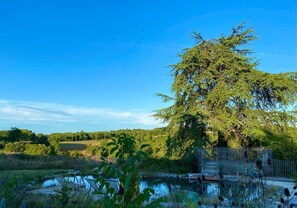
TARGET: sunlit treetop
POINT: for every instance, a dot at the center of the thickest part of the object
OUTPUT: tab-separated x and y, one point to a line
217	84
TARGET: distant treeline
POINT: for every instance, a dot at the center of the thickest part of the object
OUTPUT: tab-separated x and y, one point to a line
139	134
16	135
26	141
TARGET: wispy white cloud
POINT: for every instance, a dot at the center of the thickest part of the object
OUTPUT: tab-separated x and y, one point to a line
26	112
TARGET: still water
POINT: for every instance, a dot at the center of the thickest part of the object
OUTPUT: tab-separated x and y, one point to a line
162	187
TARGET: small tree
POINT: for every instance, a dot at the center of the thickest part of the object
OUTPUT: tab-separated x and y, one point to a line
220	95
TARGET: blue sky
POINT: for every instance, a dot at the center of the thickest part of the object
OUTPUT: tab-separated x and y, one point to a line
96	65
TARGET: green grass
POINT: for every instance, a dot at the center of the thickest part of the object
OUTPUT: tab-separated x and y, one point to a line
22	162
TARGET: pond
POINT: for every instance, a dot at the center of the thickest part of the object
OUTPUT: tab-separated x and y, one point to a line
79	180
162	187
229	191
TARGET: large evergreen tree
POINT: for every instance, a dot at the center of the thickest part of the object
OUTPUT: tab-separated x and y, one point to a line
220	97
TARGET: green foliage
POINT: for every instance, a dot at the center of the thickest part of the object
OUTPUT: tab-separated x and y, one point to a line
104	152
15	147
283	145
95	143
15	135
63	196
16	187
181	198
124	146
165	165
2	144
54	145
128	174
75	153
13	189
221	98
31	149
37	149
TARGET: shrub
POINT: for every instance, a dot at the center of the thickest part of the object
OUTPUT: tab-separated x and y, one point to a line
75	153
37	149
15	147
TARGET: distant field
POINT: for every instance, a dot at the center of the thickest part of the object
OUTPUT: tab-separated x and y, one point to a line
78	145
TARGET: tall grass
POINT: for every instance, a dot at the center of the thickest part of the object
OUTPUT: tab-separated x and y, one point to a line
28	162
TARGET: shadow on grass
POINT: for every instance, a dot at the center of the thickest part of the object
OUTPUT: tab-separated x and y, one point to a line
72	146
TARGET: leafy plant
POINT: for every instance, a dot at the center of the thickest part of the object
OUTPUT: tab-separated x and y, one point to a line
127	171
13	190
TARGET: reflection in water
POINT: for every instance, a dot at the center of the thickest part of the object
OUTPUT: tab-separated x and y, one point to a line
162	187
79	180
238	191
212	189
